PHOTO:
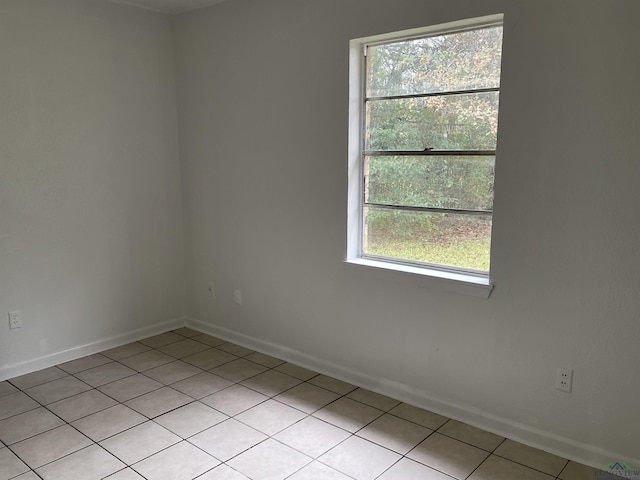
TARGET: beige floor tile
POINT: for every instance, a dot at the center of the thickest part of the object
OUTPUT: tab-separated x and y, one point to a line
209	340
107	373
269	460
182	461
201	385
497	468
578	471
184	348
210	358
333	384
187	332
531	457
227	439
234	400
57	390
348	414
172	372
318	471
6	388
81	405
296	371
373	399
125	351
307	397
448	455
471	435
20	427
10	465
49	446
271	383
109	422
130	387
147	360
140	442
223	472
270	417
159	401
191	419
312	437
360	458
407	469
418	415
239	370
84	363
350	437
38	378
91	463
125	474
161	340
266	360
237	350
394	433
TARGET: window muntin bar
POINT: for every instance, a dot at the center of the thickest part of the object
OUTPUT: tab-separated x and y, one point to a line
439	94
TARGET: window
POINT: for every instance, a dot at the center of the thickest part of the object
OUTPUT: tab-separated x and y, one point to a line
423	133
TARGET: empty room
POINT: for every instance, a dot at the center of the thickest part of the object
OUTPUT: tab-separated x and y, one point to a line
319	239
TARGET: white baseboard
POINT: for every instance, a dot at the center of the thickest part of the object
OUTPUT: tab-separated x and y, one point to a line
14	370
564	447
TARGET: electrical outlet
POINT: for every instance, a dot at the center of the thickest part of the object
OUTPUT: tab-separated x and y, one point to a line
15	320
564	379
211	289
237	297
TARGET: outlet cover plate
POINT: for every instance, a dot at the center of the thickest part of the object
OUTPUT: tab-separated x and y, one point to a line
237	297
15	320
564	379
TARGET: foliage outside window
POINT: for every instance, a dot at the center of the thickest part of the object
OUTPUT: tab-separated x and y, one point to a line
427	152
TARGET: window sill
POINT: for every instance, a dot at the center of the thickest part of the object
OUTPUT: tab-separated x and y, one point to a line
446	281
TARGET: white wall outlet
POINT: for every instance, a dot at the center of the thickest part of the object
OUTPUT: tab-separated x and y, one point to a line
15	320
237	296
211	289
564	379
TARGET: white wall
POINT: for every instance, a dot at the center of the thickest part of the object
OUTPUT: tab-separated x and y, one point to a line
91	224
90	212
262	96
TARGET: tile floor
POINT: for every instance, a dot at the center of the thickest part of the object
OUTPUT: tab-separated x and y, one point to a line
184	405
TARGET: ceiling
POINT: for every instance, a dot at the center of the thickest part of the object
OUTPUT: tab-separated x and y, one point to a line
169	6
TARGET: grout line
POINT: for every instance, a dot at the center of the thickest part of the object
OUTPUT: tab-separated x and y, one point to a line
481	463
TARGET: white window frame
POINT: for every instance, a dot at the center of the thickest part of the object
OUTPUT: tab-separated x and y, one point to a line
450	279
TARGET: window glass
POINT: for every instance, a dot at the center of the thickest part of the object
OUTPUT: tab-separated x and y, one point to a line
430	128
452	62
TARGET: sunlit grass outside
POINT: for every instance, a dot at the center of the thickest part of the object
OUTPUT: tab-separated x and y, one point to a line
465	246
470	253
